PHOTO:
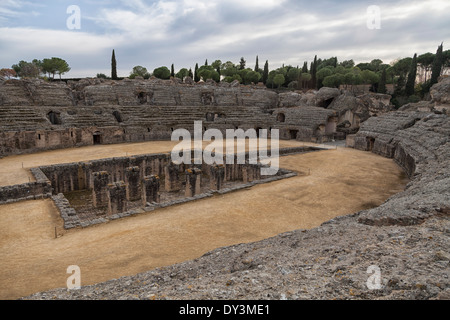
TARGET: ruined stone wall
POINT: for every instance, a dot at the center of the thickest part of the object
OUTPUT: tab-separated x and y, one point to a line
36	115
78	176
39	189
405	137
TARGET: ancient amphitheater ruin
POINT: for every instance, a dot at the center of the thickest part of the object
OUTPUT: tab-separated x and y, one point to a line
405	234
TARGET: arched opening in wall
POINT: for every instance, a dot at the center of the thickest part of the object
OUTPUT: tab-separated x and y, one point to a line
210	116
54	118
207	98
117	115
148	130
326	103
370	143
293	134
142	97
281	117
39	136
97	137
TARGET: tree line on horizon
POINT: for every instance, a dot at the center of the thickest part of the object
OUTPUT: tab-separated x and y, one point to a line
330	72
400	73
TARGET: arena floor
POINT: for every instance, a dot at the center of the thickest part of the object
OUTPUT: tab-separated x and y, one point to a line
336	182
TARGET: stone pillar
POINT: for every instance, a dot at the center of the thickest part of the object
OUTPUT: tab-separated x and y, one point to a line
150	189
216	176
100	189
172	180
81	177
117	197
193	182
251	172
233	172
133	181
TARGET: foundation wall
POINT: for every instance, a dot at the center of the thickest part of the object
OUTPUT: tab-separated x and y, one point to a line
26	191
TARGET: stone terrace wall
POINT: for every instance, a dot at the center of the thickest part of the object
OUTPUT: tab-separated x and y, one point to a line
404	136
36	115
406	237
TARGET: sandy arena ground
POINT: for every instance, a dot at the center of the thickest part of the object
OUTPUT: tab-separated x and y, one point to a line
341	181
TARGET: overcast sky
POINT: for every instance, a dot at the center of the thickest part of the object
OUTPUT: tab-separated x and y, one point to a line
185	32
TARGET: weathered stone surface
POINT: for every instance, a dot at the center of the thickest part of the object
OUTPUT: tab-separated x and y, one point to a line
150	189
193	182
133	181
440	99
37	115
353	110
407	238
100	189
325	96
117	198
440	94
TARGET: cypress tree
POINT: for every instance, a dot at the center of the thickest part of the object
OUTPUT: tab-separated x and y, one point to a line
190	74
382	84
219	71
409	87
242	64
113	66
437	66
398	90
265	75
257	64
196	77
314	73
305	67
172	71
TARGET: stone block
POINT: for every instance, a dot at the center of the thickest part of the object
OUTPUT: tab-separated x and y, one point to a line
150	189
100	180
172	179
117	198
133	181
193	182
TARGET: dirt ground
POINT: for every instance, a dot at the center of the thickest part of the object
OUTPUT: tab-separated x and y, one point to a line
341	181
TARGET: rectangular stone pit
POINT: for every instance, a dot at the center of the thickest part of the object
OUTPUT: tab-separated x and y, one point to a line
94	190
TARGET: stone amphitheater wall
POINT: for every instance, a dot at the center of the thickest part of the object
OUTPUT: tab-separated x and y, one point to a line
37	115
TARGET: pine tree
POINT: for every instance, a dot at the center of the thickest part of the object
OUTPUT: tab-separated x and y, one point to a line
437	66
196	76
257	64
265	75
113	66
172	71
410	83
